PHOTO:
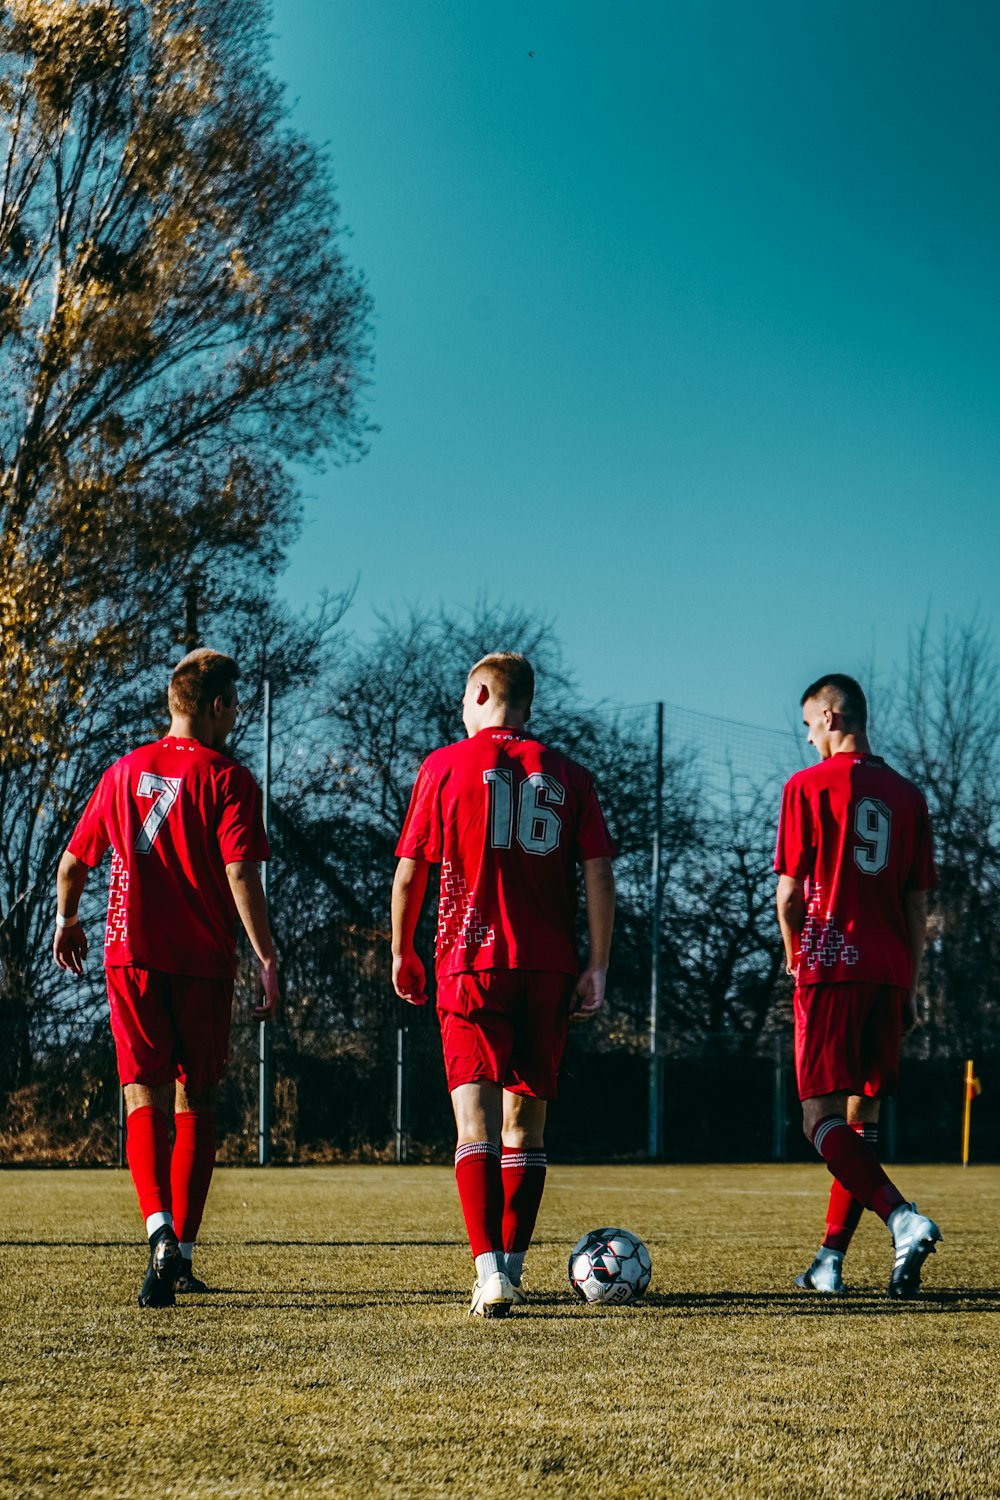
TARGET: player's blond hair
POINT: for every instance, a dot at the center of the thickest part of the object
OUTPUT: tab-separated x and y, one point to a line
510	676
200	678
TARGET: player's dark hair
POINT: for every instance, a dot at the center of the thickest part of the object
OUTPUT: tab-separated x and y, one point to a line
841	693
199	679
511	678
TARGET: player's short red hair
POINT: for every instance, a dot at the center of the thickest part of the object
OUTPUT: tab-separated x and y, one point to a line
200	678
511	678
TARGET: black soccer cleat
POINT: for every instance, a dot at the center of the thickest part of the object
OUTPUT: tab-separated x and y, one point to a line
187	1281
157	1289
914	1237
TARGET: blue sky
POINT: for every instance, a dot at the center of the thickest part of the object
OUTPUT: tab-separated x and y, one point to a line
687	327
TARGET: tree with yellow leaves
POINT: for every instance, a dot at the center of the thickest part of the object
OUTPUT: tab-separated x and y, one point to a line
178	326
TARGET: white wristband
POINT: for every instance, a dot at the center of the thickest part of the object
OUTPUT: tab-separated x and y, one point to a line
62	921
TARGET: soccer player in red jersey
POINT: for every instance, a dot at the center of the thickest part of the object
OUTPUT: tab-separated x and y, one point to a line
507	819
855	864
183	821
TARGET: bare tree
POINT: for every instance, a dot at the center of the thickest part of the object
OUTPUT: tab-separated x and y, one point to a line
944	719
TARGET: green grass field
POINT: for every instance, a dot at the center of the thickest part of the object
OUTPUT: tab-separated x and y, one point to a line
335	1357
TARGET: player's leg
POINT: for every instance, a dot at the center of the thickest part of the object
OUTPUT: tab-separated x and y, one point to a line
541	1022
832	1035
202	1010
191	1166
478	1111
476	1031
523	1166
144	1047
844	1211
914	1235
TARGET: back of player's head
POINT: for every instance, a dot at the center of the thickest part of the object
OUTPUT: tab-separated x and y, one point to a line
511	678
841	693
200	678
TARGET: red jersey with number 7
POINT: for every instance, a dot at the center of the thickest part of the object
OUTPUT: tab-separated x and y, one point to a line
508	819
858	834
174	814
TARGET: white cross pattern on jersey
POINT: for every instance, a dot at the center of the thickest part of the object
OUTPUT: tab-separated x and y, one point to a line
822	944
455	909
117	925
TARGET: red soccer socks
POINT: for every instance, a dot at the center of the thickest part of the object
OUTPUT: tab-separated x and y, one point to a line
523	1174
148	1152
191	1167
480	1189
855	1165
843	1214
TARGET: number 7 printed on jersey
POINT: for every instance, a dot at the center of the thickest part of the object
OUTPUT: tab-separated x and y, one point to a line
165	791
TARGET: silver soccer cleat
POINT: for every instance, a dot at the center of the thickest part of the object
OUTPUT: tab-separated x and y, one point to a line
914	1237
493	1299
824	1275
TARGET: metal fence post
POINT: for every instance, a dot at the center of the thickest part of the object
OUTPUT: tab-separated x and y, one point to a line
264	1038
400	1131
655	1140
779	1126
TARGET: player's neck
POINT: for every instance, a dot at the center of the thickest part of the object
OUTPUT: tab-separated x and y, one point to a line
851	744
190	729
503	718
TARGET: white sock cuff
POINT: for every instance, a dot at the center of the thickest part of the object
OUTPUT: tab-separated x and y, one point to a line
157	1221
832	1122
519	1160
187	1248
477	1148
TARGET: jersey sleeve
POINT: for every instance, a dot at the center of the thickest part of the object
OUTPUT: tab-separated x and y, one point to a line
421	837
240	826
923	873
794	854
90	839
593	841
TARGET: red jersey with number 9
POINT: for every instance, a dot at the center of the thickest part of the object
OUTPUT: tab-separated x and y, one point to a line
507	819
174	814
858	834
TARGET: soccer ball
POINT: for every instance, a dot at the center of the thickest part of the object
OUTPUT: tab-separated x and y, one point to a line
609	1265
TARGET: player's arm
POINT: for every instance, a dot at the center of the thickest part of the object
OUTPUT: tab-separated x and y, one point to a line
251	904
599	890
69	947
409	887
791	915
915	910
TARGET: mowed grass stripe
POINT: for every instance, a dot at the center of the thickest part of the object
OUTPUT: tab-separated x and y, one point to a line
336	1358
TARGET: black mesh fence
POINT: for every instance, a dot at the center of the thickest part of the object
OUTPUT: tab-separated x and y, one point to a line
349	1073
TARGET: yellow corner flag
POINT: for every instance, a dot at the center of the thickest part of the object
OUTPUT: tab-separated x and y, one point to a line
972	1088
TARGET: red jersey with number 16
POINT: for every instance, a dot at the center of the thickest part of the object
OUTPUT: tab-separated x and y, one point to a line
174	813
859	836
507	819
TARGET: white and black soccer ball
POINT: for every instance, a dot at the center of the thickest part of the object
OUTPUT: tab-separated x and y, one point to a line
609	1265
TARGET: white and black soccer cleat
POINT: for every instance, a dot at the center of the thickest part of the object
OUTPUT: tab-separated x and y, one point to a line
914	1237
492	1298
164	1267
825	1274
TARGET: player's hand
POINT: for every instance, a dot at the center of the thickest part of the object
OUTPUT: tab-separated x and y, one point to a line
69	948
267	1006
912	1019
408	978
588	994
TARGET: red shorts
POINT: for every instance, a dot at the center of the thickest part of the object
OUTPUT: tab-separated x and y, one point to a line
847	1038
169	1026
505	1026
